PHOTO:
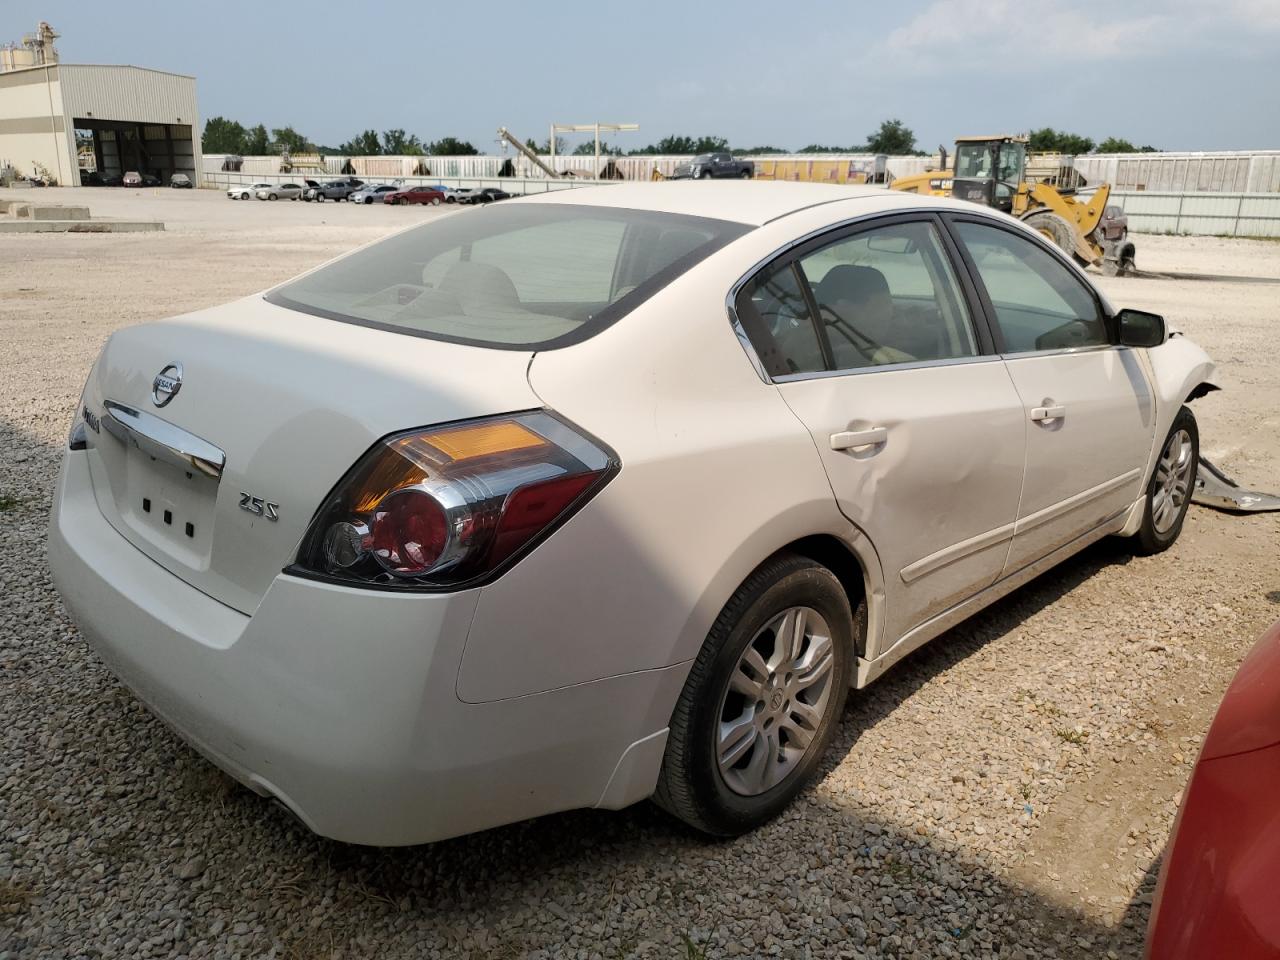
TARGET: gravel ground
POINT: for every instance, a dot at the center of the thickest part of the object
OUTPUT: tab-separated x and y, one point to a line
1005	792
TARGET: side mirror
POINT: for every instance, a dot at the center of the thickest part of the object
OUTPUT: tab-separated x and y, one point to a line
1141	329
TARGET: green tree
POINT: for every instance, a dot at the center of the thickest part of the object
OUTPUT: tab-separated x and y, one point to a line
685	144
588	149
819	148
1121	145
223	136
451	147
755	151
397	143
364	144
893	137
290	139
256	141
1049	140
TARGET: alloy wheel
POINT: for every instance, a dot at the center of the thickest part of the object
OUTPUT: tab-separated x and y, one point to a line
1172	481
775	701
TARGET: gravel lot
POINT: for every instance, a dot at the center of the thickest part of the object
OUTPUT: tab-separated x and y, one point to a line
1005	792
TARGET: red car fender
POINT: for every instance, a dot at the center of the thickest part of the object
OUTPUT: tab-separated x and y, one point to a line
1218	894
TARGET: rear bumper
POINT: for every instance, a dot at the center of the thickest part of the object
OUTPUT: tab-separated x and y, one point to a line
342	702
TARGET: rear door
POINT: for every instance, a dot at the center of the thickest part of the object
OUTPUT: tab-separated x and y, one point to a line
870	336
1088	405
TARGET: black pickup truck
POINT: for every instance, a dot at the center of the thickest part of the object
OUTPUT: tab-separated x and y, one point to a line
715	165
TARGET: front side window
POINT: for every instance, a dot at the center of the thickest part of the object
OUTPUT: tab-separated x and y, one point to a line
882	296
528	276
1009	173
1039	303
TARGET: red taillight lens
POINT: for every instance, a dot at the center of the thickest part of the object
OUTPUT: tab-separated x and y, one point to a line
409	533
530	509
448	506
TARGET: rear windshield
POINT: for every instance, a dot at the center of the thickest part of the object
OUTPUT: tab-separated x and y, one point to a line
518	276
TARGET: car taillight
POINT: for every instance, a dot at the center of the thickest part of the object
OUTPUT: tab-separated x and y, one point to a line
448	506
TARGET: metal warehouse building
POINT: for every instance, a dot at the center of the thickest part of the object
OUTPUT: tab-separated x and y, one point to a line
67	118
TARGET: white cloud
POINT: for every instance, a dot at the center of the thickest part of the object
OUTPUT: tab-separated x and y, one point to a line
1018	31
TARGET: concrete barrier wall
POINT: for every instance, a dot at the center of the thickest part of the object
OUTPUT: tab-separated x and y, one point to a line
515	185
1198	213
1201	214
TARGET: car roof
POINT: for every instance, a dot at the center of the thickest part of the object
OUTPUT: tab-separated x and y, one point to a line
753	202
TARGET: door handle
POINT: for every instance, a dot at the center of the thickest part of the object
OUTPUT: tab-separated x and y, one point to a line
852	439
1045	414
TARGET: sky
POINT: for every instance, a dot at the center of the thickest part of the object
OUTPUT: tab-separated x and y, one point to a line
1177	74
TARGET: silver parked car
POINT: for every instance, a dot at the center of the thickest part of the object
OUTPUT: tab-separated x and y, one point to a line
371	193
331	533
242	191
280	191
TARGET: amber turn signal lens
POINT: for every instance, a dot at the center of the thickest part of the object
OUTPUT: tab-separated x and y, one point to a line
483	440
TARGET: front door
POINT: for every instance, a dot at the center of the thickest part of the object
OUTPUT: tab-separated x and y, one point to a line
920	429
1089	409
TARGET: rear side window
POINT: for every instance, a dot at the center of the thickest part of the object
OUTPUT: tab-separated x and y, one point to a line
1040	304
519	276
884	295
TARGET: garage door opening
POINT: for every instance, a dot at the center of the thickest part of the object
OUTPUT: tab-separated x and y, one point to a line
118	147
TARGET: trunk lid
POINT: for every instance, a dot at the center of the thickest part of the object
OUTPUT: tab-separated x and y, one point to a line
291	401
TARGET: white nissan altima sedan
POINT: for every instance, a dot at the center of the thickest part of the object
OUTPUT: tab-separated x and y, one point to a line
601	495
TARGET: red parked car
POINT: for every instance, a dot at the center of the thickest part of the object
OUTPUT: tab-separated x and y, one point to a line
1217	893
422	195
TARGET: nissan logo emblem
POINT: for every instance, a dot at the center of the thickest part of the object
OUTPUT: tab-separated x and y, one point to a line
166	384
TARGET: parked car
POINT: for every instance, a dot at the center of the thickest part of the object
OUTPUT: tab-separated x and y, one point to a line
450	193
1216	892
422	195
242	192
1114	223
112	180
132	179
317	529
722	165
181	181
151	180
481	195
334	190
373	193
278	191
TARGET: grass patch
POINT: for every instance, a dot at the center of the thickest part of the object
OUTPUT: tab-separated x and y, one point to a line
693	951
1067	735
9	502
15	897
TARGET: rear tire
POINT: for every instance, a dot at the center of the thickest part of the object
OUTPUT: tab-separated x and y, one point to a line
435	201
1172	482
745	175
757	714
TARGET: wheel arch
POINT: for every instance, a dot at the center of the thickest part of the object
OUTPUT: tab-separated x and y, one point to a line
838	557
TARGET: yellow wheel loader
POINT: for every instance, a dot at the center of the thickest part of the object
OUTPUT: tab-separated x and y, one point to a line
993	171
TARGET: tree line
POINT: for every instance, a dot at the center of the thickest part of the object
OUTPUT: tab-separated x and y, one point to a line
892	137
229	136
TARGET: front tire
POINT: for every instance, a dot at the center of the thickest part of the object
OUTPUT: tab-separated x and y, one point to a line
762	701
1172	483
